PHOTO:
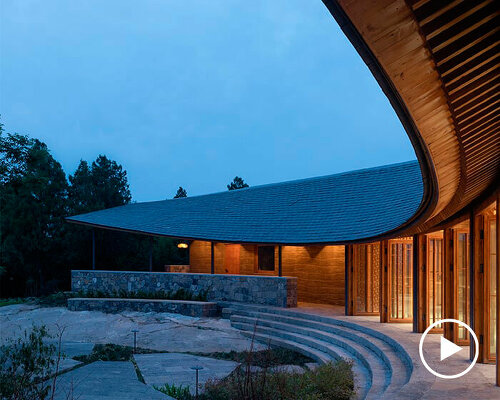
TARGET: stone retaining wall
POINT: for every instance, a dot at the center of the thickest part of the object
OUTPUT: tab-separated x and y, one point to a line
269	290
191	308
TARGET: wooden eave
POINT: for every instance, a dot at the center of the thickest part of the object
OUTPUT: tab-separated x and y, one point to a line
437	61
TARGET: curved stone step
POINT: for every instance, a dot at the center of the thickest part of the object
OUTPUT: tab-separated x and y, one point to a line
378	347
379	366
400	359
362	375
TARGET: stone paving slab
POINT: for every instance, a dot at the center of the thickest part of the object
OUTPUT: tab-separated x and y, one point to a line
105	380
158	331
175	368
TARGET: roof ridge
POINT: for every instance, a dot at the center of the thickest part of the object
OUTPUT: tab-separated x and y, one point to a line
350	172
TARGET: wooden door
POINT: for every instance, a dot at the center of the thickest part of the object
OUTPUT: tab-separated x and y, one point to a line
232	259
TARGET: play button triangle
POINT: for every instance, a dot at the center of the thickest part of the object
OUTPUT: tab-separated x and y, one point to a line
448	348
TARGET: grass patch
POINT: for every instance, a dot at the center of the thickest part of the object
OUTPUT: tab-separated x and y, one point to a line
112	352
177	392
9	302
271	357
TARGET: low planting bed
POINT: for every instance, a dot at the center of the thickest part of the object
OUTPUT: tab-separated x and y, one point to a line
114	305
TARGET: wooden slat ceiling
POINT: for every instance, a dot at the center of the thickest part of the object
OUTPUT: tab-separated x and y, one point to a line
440	58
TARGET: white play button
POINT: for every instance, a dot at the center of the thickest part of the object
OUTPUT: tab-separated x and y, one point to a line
448	348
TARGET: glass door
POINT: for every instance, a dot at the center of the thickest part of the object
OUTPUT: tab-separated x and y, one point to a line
401	280
462	279
491	287
435	281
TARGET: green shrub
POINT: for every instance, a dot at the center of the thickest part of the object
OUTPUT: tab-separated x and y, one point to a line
177	392
26	364
9	302
111	352
59	299
333	381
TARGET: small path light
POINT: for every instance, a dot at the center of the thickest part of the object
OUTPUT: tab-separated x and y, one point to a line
197	368
135	339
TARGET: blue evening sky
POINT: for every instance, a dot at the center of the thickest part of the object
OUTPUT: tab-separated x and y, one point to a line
192	93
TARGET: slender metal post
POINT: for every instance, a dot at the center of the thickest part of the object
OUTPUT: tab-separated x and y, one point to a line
212	259
93	248
151	254
135	340
197	369
280	257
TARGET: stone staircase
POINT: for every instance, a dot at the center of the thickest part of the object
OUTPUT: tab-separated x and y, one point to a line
381	366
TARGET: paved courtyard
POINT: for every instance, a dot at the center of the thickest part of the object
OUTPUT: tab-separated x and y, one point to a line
106	380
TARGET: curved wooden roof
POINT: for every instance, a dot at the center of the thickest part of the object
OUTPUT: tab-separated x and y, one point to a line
437	61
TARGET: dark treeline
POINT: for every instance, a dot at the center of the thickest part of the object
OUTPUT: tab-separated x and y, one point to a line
37	247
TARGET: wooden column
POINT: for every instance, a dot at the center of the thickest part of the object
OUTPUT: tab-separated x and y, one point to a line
212	258
385	296
478	303
449	283
348	287
420	296
472	286
498	291
280	272
416	283
93	248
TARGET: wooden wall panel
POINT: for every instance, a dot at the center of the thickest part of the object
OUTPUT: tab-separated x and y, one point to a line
320	272
199	257
319	269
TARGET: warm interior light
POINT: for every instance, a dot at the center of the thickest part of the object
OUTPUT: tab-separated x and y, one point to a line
182	245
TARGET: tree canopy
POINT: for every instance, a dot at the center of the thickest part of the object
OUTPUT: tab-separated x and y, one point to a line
38	247
237	183
181	192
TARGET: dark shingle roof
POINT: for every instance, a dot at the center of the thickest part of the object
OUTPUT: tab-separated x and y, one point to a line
329	209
